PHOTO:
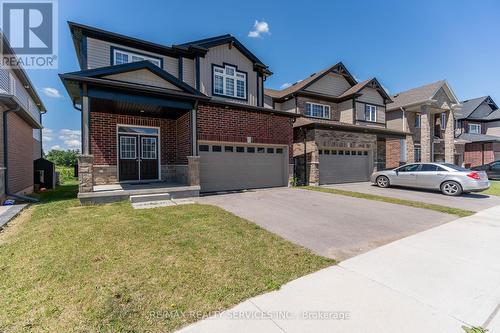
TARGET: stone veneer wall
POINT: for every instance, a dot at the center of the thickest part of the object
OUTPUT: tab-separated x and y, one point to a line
319	138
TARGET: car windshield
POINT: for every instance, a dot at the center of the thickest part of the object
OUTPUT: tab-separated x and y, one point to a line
455	167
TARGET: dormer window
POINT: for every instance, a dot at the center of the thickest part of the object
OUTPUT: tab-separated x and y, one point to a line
125	57
474	128
370	113
229	82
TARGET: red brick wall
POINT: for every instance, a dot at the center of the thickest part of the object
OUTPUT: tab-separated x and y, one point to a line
392	153
474	154
103	127
20	155
217	123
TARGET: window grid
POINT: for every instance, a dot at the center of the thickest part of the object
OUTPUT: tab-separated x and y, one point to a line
370	113
124	57
148	151
317	110
229	82
128	148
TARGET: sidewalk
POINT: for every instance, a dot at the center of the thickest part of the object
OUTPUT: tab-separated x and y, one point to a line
434	281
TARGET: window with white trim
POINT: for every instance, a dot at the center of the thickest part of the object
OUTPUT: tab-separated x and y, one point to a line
228	81
443	120
317	110
125	57
475	128
418	120
148	148
370	113
127	147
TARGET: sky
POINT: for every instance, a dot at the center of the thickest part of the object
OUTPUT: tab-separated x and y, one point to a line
404	44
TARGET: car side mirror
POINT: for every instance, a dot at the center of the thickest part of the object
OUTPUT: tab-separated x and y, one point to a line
397	172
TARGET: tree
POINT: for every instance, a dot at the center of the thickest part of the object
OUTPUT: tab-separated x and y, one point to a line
63	157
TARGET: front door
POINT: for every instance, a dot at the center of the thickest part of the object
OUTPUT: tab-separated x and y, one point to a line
137	155
128	157
149	157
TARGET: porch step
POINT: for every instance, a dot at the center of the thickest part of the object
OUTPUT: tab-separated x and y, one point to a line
150	197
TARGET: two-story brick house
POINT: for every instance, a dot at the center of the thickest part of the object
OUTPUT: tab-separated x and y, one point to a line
427	113
342	134
190	114
477	131
21	112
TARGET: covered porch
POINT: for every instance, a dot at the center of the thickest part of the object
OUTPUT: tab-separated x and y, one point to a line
137	139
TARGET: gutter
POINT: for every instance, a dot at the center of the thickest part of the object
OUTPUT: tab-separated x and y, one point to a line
6	159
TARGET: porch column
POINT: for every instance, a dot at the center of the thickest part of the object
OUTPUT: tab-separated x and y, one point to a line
194	133
85	173
193	170
410	149
449	138
85	122
426	135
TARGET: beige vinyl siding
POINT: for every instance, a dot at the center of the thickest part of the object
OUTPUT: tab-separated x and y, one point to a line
142	76
218	55
268	102
188	70
99	55
330	84
371	96
493	128
345	110
394	120
287	106
360	114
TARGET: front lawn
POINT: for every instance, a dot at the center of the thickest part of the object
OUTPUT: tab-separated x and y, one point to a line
66	268
494	189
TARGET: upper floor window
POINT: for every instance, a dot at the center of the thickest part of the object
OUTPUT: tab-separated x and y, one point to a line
317	110
370	113
475	128
230	82
418	120
124	57
443	120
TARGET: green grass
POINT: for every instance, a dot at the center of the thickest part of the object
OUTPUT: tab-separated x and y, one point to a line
494	189
66	267
66	175
438	208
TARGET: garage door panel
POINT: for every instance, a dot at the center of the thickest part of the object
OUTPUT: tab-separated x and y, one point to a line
344	168
222	171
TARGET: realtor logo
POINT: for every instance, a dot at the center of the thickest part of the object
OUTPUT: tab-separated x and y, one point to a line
31	29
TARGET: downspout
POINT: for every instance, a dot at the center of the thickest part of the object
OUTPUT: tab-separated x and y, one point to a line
404	118
304	132
6	159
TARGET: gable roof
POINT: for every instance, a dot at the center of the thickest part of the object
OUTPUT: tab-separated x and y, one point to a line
133	66
371	83
470	105
207	43
338	68
495	115
420	95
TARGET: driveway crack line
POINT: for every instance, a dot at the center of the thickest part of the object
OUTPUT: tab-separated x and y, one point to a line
274	322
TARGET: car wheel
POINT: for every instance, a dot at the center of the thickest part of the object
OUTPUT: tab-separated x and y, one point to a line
451	188
383	181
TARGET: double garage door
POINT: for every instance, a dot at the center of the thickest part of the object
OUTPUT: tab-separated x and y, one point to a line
225	167
343	166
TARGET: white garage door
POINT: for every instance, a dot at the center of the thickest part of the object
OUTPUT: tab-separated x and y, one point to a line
343	166
225	167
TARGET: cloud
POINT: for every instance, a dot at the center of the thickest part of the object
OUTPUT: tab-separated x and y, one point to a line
56	147
51	92
70	138
285	85
47	134
259	28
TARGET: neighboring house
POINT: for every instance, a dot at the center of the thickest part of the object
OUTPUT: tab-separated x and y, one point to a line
20	129
427	113
342	135
149	112
478	131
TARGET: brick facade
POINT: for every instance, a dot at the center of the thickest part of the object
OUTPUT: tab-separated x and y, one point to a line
20	154
478	153
393	153
175	142
216	123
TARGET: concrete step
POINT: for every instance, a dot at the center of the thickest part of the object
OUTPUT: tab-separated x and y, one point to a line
149	197
153	204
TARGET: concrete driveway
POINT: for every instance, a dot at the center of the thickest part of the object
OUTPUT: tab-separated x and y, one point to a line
472	201
334	226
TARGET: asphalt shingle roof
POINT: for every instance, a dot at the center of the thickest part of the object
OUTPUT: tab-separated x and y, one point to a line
468	107
415	95
478	137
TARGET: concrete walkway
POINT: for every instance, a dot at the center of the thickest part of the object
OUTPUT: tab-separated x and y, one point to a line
471	201
7	213
433	281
